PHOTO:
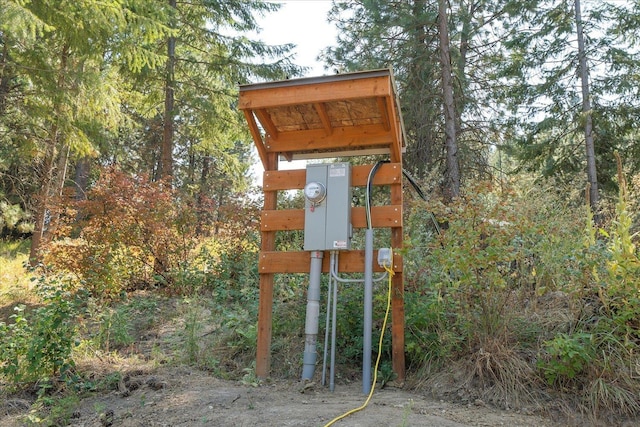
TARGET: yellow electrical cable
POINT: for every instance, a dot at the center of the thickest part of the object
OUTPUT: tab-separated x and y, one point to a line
375	371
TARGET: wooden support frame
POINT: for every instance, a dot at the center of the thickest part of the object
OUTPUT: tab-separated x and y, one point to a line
332	116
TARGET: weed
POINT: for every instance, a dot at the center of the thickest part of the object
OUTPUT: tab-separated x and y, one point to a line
114	329
39	345
406	411
568	356
385	373
249	378
99	407
53	411
192	328
611	396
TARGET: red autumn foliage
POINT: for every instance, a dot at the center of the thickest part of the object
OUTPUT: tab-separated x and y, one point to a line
130	232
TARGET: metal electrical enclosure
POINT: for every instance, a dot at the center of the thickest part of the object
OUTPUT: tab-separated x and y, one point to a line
327	217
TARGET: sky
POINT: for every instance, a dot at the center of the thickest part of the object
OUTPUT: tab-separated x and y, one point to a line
303	23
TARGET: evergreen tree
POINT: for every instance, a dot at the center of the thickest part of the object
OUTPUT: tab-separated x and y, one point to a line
58	54
193	132
88	80
567	80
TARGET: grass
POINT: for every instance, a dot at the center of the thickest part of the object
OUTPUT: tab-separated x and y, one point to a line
15	280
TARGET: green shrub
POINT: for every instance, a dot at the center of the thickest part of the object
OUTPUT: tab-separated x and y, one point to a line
430	336
38	343
567	356
618	291
474	287
114	329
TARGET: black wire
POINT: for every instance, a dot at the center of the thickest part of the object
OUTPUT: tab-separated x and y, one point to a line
411	180
372	173
414	184
416	187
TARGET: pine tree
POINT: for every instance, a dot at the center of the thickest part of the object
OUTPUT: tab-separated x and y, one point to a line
567	84
451	188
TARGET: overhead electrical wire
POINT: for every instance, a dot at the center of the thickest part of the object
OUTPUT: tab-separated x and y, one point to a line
416	187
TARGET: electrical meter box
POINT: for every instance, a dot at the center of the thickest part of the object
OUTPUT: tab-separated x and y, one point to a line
327	216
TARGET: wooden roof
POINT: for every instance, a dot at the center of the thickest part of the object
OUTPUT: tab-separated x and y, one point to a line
329	116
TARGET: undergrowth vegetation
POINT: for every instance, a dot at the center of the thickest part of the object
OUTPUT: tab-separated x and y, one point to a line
521	299
512	297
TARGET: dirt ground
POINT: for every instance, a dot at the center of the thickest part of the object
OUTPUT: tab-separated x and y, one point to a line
180	396
154	392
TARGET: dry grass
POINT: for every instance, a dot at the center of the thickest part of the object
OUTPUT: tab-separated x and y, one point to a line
495	373
605	396
15	280
503	374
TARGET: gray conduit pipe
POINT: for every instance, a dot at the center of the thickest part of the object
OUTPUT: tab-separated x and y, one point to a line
313	312
334	310
368	311
327	322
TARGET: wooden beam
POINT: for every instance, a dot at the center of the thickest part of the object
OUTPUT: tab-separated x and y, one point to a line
257	136
396	130
397	292
384	113
342	138
293	219
387	174
299	261
313	93
321	109
265	303
266	122
284	180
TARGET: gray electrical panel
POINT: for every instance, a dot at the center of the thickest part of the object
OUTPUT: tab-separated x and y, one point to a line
327	218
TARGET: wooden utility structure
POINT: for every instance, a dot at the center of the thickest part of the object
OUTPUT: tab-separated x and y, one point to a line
342	115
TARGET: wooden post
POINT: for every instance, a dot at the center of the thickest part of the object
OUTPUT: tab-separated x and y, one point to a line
397	295
397	283
265	307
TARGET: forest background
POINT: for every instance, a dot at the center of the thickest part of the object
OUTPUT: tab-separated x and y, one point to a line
124	168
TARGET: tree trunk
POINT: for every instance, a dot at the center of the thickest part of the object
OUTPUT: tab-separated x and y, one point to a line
202	210
82	177
47	172
592	176
81	181
42	202
169	113
61	169
451	188
58	180
161	263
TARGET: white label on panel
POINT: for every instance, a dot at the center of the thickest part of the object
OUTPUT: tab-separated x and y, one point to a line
339	244
337	171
